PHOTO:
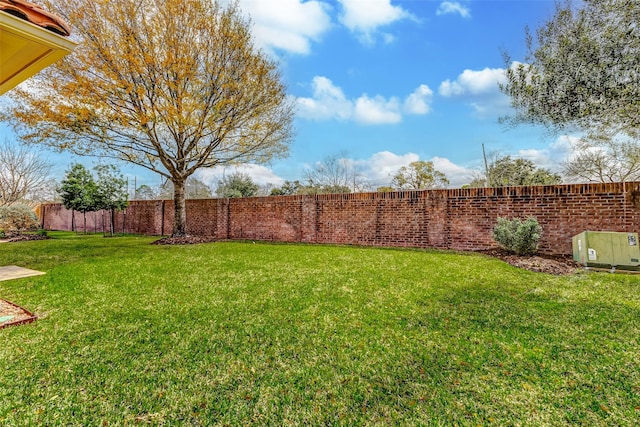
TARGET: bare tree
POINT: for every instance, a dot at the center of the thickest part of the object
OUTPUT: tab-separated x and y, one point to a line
336	174
194	189
146	192
23	174
607	159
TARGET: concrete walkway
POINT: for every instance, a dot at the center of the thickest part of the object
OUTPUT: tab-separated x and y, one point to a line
14	272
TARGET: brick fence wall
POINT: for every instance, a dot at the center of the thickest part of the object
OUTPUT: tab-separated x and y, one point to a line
449	219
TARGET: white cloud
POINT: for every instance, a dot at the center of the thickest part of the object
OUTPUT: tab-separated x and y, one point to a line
329	102
377	110
289	25
565	143
261	175
453	7
479	89
381	166
418	102
552	156
292	25
472	82
365	17
456	174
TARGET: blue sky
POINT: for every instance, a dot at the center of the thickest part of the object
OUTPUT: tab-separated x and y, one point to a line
388	82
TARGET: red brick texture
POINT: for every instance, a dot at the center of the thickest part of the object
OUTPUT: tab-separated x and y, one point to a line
460	219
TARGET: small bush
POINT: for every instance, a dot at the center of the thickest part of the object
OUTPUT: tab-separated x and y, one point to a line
18	218
518	236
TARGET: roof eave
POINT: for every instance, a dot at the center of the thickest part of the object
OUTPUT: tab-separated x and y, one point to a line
25	49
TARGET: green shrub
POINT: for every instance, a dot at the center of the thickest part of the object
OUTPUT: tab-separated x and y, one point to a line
18	218
518	236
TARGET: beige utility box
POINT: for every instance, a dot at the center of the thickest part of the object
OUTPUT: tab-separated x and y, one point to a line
607	249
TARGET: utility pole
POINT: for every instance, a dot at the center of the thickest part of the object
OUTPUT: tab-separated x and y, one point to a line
486	167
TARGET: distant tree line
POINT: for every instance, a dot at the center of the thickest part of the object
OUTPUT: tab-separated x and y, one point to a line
336	174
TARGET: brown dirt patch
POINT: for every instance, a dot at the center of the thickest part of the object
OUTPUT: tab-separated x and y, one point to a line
12	315
552	264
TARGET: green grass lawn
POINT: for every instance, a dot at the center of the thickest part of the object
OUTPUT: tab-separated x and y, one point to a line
240	333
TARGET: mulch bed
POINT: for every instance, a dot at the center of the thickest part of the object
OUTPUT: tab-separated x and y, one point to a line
184	240
552	264
14	314
26	237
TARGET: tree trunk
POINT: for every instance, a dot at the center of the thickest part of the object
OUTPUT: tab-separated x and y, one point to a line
113	220
180	219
